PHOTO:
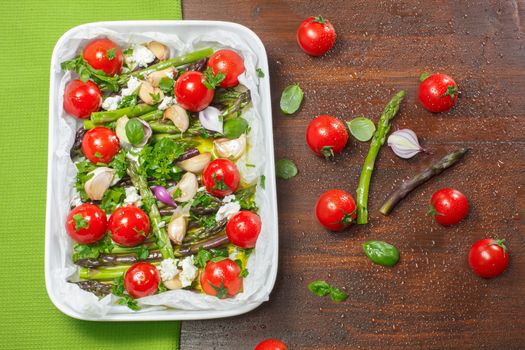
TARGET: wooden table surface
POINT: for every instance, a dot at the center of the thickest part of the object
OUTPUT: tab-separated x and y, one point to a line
430	300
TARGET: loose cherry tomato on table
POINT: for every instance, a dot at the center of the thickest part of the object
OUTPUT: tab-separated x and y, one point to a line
448	206
129	226
438	92
335	210
271	344
100	145
243	229
221	177
86	224
326	136
229	63
316	36
82	98
221	279
488	258
191	93
141	279
105	55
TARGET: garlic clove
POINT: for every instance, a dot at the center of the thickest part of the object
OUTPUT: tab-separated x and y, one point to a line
188	186
155	77
120	130
178	116
161	51
149	94
404	143
99	182
231	149
196	164
210	119
177	229
173	283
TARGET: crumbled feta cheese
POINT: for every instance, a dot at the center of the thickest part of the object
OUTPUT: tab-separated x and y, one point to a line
166	102
111	103
132	196
75	201
228	199
133	85
227	211
142	56
168	269
189	271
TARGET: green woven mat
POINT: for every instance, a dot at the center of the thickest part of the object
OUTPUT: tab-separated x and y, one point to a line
28	33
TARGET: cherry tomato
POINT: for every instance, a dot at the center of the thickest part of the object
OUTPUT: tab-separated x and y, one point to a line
335	210
141	279
86	224
230	64
105	55
271	344
438	93
488	258
316	36
243	229
221	177
100	145
326	135
191	93
221	279
82	98
129	226
448	206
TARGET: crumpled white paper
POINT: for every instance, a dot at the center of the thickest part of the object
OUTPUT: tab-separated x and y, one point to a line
257	284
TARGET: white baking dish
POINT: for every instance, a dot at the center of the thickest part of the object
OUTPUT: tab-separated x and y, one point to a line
57	176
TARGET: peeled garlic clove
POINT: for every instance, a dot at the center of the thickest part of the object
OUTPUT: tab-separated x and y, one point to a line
155	77
160	50
173	283
196	164
177	229
404	143
188	186
231	149
99	182
149	94
210	119
178	116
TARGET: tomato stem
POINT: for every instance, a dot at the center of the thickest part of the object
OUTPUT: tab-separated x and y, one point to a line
500	243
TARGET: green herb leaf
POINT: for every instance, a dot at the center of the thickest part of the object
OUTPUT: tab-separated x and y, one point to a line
234	128
92	251
134	131
320	288
319	19
381	253
110	54
244	273
211	81
218	184
202	199
361	128
119	163
80	222
452	91
166	85
262	181
260	73
98	154
291	99
113	197
285	169
142	253
246	198
128	101
125	299
338	295
205	255
161	288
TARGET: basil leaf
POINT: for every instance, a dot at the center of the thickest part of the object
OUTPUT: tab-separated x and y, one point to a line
166	85
361	128
320	288
134	131
291	99
381	253
338	295
234	128
285	169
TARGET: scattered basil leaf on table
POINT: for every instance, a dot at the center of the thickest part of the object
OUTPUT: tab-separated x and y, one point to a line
322	288
361	128
134	131
285	169
381	253
291	99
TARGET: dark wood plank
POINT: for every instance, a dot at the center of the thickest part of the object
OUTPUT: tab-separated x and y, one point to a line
430	300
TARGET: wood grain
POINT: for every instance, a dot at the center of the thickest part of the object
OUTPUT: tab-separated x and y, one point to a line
430	300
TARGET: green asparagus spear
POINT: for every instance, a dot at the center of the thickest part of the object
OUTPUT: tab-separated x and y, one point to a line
110	116
378	140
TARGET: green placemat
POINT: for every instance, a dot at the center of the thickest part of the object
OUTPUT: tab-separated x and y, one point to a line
28	33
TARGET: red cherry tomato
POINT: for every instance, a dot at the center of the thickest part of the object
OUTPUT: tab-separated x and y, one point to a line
82	98
100	145
141	279
191	93
129	226
326	136
221	177
105	55
335	210
86	224
230	64
448	206
438	93
316	36
271	344
221	279
243	229
488	258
